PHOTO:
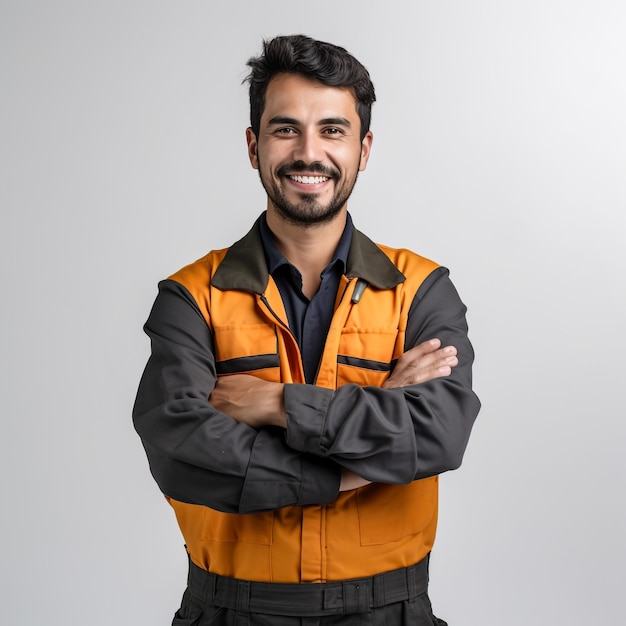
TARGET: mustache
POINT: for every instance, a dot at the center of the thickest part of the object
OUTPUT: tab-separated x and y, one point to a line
314	168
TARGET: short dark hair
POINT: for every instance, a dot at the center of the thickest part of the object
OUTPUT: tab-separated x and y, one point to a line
297	54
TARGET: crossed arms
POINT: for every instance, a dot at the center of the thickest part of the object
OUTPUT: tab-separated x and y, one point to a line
259	403
301	444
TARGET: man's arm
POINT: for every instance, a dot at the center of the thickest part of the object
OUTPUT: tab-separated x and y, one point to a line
405	433
198	454
260	403
417	425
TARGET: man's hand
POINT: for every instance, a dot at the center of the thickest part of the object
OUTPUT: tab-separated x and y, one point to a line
250	400
259	403
424	362
350	480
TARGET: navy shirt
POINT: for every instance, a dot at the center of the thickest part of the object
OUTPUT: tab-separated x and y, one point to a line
309	320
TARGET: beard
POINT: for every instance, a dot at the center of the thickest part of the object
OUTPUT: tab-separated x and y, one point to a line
308	211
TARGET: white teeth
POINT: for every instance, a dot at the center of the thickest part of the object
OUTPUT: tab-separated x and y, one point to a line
309	180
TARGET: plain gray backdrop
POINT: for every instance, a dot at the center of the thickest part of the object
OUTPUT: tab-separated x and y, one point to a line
499	151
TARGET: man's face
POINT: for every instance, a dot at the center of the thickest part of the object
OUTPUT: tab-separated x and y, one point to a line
309	150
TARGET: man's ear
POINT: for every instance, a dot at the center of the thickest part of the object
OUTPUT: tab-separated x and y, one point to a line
366	146
251	140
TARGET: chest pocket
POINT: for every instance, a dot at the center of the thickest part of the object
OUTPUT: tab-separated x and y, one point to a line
247	348
366	356
372	337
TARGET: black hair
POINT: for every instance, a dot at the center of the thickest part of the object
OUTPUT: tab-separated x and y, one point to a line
297	54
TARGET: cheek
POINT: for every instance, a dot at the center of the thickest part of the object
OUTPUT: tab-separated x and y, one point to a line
270	161
350	157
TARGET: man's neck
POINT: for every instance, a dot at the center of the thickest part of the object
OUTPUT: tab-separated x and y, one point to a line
309	248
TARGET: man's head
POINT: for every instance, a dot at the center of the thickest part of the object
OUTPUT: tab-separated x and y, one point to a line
310	106
317	60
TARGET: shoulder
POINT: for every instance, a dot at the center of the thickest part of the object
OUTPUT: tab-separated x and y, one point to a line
415	267
405	258
196	277
200	271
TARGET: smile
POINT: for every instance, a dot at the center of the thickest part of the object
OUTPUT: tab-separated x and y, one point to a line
309	180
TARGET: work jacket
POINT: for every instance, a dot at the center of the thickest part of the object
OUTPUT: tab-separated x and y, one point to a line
265	504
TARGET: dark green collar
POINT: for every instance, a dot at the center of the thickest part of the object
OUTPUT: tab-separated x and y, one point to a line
244	266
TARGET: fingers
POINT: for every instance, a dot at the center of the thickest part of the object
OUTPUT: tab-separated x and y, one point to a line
422	363
428	355
424	348
430	347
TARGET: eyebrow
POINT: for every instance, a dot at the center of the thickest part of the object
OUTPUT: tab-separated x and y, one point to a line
335	121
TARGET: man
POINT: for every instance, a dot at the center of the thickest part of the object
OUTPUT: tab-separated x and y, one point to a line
306	386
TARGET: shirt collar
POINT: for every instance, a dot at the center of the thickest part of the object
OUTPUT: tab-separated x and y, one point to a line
244	265
275	258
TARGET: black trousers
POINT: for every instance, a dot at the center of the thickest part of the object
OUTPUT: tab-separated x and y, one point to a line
398	598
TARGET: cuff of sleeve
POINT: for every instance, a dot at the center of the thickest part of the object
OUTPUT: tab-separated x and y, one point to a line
306	406
320	481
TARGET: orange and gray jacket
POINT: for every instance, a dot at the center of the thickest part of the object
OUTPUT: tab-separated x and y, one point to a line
265	504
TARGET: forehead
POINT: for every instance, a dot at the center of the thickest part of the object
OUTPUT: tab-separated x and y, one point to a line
300	97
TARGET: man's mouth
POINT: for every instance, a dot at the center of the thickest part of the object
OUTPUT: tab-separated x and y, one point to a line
308	180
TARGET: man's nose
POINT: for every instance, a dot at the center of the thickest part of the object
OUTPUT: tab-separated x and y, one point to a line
309	147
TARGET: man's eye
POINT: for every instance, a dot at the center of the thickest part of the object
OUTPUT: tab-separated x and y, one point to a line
332	131
285	131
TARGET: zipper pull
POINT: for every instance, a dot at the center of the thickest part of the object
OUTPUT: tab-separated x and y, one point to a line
361	286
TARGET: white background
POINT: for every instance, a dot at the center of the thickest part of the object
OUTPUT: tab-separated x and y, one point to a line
499	151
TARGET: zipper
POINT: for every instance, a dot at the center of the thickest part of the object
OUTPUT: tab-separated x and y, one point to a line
285	328
275	315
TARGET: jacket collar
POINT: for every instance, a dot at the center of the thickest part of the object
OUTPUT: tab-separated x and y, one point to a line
244	266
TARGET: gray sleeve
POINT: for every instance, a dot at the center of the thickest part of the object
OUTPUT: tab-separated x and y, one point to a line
396	435
198	454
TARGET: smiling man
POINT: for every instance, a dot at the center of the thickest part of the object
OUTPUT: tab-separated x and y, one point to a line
308	149
306	386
